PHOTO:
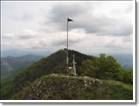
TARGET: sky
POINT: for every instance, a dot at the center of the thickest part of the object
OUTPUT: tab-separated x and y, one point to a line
40	26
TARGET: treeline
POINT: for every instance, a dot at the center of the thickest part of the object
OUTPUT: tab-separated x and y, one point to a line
106	67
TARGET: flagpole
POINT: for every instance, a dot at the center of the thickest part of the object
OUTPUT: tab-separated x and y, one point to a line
67	50
67	58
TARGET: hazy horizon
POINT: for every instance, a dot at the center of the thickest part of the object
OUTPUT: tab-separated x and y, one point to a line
18	53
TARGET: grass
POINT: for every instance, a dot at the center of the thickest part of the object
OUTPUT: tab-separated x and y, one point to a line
62	87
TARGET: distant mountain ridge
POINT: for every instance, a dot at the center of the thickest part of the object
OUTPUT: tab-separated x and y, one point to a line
126	60
23	52
11	64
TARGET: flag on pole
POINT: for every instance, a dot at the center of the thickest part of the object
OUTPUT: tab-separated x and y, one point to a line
69	19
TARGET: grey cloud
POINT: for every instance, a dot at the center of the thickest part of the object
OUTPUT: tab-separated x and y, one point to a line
6	36
91	23
62	11
117	49
41	44
18	36
23	17
25	36
63	42
27	17
117	29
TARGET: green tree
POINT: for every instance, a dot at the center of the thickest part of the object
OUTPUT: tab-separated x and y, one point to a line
126	76
109	67
104	67
89	68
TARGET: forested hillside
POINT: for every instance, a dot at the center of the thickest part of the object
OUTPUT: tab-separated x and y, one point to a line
105	77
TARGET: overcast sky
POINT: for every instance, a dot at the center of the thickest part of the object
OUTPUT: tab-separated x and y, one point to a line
98	27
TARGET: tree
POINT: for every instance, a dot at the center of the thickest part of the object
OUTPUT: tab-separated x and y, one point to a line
88	68
104	67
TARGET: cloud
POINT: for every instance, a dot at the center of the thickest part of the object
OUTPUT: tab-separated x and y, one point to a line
27	17
63	42
23	17
25	34
98	26
104	44
86	17
7	36
61	11
42	44
74	37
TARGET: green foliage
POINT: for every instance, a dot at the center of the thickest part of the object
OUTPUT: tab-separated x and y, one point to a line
126	76
6	89
89	68
105	67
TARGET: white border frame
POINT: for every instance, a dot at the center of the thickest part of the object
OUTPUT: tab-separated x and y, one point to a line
93	101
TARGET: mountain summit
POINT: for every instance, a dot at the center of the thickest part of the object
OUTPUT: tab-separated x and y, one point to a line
55	63
97	78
